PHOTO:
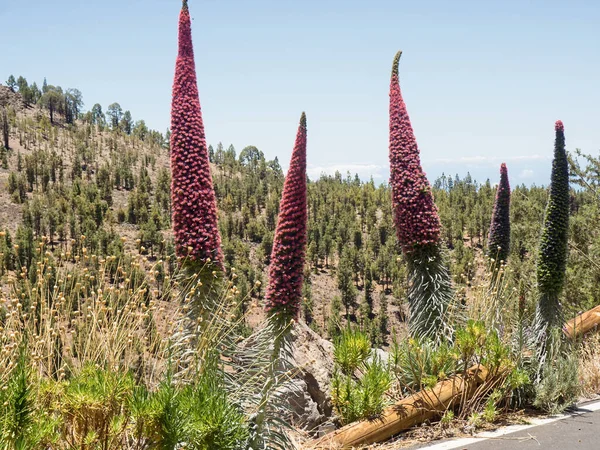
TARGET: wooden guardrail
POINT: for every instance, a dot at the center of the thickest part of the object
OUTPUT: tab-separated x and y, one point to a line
583	323
429	403
406	413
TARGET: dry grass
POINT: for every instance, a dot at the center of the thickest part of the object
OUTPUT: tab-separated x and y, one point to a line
589	366
85	309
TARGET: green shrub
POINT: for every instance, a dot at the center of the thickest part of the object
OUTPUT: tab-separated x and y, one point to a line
103	409
213	421
22	424
559	385
418	364
92	406
351	350
359	383
422	364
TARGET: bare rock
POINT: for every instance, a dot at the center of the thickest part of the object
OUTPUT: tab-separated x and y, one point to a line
381	355
303	409
313	358
10	99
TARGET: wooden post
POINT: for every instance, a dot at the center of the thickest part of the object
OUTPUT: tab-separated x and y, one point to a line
582	323
408	412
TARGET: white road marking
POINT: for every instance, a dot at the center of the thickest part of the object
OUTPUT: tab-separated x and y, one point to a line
449	445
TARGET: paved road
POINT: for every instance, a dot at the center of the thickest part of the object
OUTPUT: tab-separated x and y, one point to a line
578	431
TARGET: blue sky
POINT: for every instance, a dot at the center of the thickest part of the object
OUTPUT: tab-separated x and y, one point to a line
483	81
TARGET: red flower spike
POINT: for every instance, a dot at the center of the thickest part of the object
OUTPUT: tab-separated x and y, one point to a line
558	126
284	292
415	214
193	198
499	235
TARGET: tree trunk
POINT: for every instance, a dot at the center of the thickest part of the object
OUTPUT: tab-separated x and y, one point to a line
4	122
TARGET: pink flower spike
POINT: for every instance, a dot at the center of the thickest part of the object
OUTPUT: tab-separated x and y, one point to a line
286	271
193	197
415	214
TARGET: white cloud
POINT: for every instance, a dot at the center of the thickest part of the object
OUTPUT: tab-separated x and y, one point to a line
526	173
482	160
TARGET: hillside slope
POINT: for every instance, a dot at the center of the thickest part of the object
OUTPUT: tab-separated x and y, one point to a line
96	179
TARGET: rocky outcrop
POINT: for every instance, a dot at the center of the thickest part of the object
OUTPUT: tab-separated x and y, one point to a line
303	409
308	395
310	391
10	99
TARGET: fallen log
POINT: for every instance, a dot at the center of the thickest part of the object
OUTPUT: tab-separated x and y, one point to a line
582	323
406	413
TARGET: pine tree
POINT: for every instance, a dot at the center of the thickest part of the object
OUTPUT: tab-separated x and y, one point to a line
344	281
4	125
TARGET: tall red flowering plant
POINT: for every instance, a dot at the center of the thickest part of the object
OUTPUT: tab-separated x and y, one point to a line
283	296
197	239
284	291
554	244
417	225
415	215
499	237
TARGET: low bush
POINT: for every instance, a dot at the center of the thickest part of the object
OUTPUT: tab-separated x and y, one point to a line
361	379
